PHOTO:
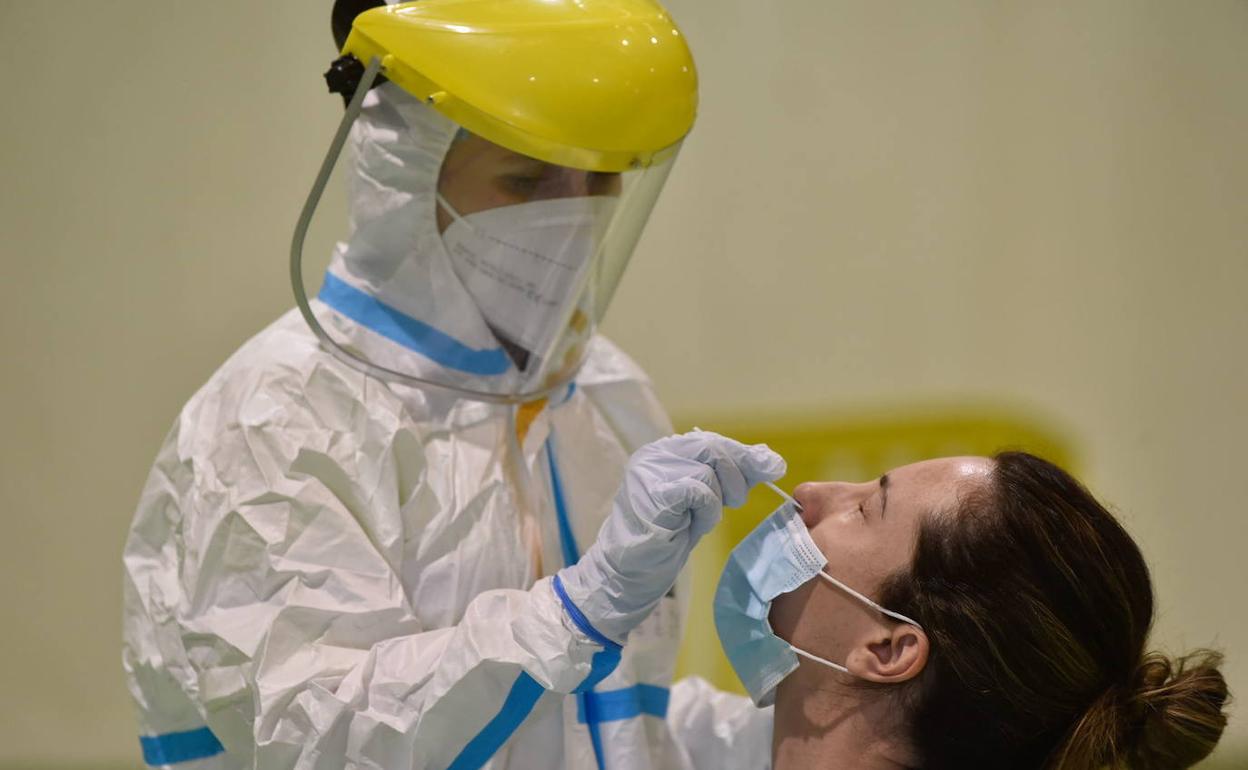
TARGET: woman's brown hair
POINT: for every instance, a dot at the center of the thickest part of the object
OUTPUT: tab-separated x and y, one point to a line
1037	605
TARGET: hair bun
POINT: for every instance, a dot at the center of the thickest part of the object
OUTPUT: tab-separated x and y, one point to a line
1174	711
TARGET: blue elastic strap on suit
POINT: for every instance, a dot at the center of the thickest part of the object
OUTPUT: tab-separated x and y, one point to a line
567	542
566	539
578	617
600	667
519	702
626	703
187	746
595	735
603	663
434	344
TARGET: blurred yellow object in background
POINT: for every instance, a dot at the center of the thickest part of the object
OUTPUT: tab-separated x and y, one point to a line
825	448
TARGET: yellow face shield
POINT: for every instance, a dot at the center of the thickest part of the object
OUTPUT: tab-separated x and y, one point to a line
604	85
553	125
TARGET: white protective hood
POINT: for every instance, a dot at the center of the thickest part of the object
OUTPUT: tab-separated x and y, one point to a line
390	293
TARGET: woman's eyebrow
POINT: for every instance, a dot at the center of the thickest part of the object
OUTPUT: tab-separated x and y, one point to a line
883	494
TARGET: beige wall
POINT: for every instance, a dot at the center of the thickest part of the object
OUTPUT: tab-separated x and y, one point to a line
1037	207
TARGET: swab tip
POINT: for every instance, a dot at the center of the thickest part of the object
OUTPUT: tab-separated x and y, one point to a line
771	485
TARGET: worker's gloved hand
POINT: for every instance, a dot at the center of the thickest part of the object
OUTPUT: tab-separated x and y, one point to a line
674	491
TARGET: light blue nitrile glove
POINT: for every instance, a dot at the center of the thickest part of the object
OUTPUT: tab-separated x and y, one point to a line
673	493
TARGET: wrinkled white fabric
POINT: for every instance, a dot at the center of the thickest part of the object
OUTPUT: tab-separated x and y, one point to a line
674	492
329	571
715	729
324	579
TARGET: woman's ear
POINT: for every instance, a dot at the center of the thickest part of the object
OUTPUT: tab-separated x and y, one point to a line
890	657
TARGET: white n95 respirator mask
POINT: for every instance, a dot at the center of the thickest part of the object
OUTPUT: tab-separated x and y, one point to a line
777	557
524	265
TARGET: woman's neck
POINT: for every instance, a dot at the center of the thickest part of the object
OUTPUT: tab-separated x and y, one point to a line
825	724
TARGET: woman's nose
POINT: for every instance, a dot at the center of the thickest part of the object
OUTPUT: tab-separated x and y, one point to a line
813	497
820	499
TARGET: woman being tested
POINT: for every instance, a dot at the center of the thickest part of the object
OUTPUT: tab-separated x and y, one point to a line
345	554
955	614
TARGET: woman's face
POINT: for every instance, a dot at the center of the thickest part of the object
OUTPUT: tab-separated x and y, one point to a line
868	533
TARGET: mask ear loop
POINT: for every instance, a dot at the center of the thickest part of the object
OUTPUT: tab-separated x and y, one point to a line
450	209
457	217
865	600
818	659
894	615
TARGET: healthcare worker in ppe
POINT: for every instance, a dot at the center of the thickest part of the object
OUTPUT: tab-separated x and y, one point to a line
397	529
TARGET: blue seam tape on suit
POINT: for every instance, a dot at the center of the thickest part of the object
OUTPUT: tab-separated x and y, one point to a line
516	707
432	343
626	703
604	662
570	555
566	539
600	667
186	746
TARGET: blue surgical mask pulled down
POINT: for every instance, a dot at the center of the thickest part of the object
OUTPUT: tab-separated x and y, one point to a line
777	557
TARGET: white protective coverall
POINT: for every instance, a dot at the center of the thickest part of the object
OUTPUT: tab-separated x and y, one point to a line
327	570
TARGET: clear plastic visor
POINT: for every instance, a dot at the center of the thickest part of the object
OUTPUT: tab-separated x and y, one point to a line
539	248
